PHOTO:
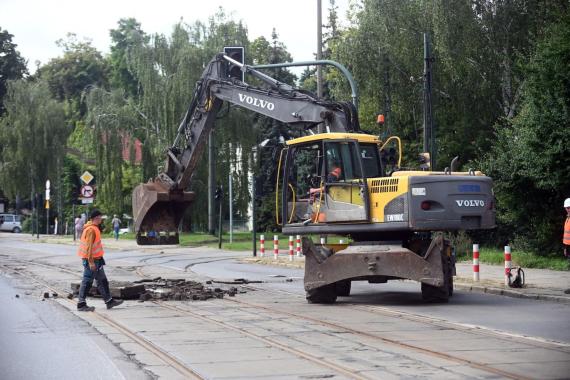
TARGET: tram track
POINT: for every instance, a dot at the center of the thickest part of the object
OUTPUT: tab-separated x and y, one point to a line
170	359
346	371
438	322
150	347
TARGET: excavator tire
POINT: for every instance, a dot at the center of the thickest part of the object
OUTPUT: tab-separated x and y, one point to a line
440	294
343	288
325	294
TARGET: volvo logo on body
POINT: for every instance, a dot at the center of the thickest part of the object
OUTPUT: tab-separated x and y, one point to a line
470	203
256	102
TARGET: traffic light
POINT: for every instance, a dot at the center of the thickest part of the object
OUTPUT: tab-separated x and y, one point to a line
219	193
236	53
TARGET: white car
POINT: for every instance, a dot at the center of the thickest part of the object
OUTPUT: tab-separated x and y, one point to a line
12	223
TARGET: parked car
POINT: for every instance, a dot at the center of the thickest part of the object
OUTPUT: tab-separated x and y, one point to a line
12	223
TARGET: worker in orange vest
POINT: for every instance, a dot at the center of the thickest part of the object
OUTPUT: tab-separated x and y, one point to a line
566	235
91	252
335	172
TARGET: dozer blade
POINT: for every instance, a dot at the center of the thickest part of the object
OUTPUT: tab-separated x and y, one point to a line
157	212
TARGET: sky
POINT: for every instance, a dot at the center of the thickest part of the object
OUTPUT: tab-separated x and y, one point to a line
37	24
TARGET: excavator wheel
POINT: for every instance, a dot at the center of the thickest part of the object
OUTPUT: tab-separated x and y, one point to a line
325	294
440	294
343	288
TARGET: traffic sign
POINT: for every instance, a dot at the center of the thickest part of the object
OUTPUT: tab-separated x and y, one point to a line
87	191
86	177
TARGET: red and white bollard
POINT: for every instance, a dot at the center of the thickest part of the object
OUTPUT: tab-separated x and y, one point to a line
475	262
275	246
262	245
291	248
507	264
299	246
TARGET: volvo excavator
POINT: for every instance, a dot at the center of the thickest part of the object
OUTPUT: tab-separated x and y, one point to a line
340	181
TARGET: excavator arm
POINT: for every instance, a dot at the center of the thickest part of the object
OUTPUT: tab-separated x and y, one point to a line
159	205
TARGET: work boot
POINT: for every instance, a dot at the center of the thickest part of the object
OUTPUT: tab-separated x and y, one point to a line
84	307
112	303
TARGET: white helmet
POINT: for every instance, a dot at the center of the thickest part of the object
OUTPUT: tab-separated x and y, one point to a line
567	202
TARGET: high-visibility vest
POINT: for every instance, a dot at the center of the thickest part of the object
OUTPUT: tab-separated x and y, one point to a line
96	248
566	236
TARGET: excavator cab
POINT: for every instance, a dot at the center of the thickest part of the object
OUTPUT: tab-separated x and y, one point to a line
325	182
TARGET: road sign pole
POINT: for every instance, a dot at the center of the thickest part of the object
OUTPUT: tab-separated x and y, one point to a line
47	205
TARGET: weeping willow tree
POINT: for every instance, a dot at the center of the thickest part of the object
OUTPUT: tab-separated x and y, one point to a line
112	121
167	69
33	132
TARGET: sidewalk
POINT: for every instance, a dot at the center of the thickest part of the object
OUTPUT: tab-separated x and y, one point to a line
540	284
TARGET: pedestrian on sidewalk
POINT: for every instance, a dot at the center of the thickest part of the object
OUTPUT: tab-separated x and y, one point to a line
79	224
91	252
116	222
566	234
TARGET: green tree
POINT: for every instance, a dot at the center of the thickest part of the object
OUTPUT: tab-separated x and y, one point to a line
33	132
530	160
126	37
12	65
80	68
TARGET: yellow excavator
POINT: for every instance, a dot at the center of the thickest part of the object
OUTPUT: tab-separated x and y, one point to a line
341	182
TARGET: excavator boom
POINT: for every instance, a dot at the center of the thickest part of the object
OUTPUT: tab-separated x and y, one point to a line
159	205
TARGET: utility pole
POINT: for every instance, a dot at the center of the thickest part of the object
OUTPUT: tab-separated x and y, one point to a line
230	201
220	198
253	224
429	140
319	49
211	185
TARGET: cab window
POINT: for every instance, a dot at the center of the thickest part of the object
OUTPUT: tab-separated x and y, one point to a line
371	161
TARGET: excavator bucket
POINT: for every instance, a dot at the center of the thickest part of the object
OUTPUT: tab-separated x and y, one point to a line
157	213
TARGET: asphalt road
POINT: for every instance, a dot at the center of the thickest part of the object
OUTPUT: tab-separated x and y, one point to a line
42	340
540	319
531	318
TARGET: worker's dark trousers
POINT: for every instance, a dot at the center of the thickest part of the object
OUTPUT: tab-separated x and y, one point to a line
89	276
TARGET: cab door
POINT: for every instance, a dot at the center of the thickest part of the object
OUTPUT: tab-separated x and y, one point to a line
345	193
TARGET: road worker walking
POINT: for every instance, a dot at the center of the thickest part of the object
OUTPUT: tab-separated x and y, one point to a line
91	252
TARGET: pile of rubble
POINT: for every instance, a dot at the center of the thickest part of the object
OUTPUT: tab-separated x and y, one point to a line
165	289
180	290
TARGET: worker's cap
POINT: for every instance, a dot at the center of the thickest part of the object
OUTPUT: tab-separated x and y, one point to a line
567	202
95	213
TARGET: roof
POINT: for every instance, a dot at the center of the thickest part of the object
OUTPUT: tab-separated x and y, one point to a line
360	137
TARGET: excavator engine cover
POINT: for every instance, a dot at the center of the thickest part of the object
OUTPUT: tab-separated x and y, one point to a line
157	213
